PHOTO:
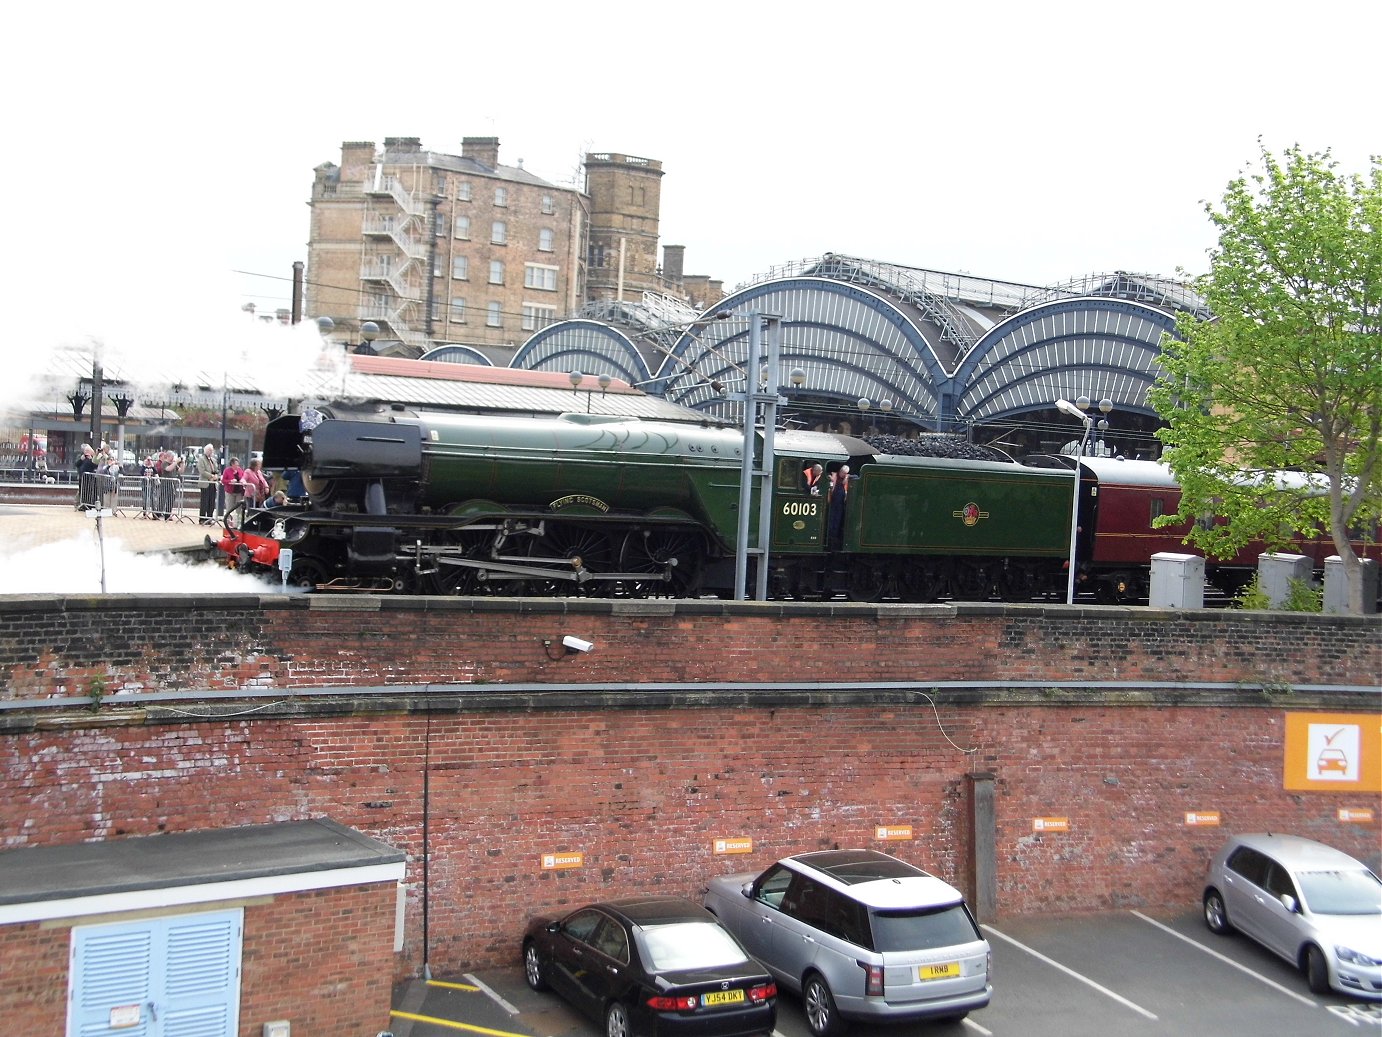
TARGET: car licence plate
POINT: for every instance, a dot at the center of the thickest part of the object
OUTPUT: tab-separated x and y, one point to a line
943	970
722	997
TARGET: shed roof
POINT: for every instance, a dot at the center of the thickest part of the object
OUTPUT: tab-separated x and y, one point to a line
87	878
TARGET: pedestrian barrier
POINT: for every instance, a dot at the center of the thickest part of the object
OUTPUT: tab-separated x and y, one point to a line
152	497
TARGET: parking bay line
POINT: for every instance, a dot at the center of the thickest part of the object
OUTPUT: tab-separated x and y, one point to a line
1072	973
1227	960
492	995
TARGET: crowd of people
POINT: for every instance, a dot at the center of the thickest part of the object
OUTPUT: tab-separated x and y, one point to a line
163	474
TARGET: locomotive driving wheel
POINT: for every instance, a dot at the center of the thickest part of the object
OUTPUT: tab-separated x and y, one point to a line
678	553
582	549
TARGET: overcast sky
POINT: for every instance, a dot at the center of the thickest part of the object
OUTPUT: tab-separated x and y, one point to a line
157	148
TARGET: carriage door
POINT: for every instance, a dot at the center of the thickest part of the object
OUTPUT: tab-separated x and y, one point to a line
156	977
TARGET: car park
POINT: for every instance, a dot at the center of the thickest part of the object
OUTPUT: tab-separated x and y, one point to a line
860	935
1309	903
651	967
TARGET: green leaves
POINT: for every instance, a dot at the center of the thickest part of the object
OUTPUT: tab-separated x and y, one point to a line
1288	375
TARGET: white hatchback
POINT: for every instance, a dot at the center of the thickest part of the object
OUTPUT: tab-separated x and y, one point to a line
1313	905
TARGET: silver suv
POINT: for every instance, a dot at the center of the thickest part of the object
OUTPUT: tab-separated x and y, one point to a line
1313	905
859	935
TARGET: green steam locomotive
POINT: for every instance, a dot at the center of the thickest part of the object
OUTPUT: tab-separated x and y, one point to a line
442	503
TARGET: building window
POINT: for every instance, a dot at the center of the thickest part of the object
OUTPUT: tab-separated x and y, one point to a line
548	205
537	317
546	239
463	190
438	265
439	223
499	232
501	196
543	278
496	271
457	311
460	267
494	317
436	311
461	227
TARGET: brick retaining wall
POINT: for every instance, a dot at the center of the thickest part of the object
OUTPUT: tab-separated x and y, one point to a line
449	724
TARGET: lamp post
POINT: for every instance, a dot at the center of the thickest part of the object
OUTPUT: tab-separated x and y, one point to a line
369	331
1078	409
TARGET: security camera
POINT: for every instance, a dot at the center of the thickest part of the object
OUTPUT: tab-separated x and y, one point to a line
575	644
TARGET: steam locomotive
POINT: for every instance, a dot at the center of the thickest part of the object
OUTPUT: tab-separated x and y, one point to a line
424	502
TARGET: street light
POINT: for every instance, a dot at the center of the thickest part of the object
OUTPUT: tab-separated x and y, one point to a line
1078	409
369	331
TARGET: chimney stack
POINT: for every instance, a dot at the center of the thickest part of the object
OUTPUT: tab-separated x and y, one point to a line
484	150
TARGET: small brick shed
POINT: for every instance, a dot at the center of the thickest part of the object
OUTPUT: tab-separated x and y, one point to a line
231	928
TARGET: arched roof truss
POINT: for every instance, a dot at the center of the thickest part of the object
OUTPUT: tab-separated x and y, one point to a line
850	341
456	354
588	346
1102	348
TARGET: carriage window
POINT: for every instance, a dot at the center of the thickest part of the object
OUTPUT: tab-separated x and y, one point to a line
1158	509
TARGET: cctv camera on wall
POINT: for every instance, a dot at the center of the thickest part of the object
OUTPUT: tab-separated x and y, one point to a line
575	644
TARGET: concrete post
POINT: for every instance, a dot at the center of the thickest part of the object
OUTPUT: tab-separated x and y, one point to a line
983	852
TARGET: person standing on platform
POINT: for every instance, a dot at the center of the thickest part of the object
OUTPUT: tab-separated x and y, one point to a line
233	482
208	482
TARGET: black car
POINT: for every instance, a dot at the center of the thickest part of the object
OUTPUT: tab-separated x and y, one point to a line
651	967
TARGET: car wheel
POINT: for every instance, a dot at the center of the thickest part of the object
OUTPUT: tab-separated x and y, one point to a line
1215	915
1316	970
821	1015
532	967
616	1021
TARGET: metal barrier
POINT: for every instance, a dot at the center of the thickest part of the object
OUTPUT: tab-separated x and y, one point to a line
135	496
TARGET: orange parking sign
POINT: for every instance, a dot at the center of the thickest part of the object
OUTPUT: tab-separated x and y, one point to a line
1333	752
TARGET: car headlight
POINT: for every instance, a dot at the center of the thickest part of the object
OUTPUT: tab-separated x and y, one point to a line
1351	956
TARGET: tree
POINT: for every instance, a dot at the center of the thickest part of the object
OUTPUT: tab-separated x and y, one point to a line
1287	376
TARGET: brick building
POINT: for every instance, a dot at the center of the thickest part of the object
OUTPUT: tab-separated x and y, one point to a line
460	249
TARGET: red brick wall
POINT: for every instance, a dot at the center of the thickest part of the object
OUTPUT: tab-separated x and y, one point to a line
58	646
322	960
33	962
597	754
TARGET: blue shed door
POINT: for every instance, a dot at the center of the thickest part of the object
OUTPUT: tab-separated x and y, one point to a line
159	977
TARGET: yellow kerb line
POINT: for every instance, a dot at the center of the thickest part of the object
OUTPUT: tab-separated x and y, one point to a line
452	986
454	1026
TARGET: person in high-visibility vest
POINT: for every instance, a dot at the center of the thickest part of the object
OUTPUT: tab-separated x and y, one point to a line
812	478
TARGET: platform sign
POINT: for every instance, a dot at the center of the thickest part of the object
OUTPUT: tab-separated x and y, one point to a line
1333	752
734	844
892	833
562	861
1050	824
